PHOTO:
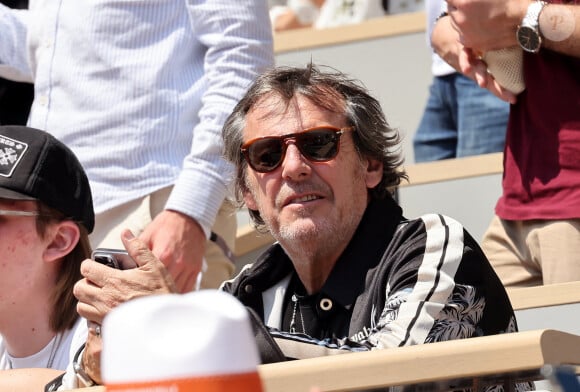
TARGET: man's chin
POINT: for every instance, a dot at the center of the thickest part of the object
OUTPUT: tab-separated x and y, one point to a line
303	229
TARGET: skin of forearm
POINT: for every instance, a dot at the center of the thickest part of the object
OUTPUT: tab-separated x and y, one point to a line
445	41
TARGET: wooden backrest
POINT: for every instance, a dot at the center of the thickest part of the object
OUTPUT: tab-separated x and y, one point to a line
463	363
554	306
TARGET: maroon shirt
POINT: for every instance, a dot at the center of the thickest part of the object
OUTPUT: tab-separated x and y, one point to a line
541	177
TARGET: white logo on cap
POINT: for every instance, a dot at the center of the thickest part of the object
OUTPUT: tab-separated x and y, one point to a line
11	151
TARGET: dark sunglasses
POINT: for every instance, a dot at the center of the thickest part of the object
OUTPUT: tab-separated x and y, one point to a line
320	144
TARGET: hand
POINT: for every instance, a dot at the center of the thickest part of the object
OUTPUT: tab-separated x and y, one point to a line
487	24
104	288
179	242
471	65
445	41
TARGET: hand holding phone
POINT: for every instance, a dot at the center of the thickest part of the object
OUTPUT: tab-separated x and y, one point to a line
114	258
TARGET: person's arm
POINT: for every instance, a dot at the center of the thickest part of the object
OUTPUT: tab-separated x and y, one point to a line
13	45
446	42
238	36
492	24
454	295
560	28
27	380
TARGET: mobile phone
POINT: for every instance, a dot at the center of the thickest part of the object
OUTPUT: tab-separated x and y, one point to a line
114	258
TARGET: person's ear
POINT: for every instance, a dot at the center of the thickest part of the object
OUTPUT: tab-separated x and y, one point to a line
373	173
250	201
62	237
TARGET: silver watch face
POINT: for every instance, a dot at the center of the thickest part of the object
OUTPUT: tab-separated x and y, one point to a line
529	39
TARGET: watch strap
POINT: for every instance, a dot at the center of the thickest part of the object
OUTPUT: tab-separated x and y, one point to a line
532	17
84	379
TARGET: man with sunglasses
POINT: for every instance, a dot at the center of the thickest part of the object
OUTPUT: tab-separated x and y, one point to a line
316	166
46	215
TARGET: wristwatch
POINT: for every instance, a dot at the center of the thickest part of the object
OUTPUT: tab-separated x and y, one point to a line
528	33
82	377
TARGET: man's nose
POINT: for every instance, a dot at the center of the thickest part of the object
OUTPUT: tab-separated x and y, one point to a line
294	165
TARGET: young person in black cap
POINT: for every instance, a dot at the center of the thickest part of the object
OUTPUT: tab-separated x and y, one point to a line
46	215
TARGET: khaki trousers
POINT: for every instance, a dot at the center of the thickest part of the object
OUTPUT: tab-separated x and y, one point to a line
137	214
535	252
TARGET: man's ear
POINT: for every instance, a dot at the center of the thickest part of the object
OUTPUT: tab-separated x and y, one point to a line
374	173
61	238
250	201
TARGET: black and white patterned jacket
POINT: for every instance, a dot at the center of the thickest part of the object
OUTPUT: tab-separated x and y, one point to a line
399	282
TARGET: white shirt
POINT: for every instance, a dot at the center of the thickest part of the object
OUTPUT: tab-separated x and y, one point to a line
438	66
60	350
140	89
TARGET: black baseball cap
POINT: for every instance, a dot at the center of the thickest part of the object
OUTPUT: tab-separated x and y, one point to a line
34	165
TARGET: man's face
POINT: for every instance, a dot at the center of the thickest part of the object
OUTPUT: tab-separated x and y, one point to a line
316	205
21	248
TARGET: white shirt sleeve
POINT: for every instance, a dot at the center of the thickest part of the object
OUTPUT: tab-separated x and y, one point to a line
238	36
13	47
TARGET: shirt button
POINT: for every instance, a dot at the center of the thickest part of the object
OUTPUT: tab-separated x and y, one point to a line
325	304
248	288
